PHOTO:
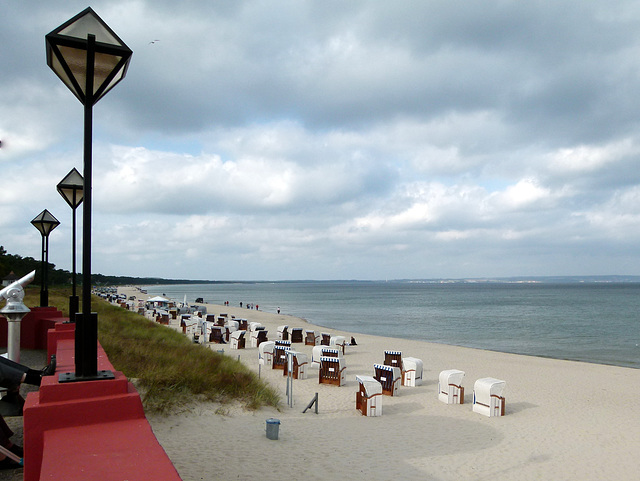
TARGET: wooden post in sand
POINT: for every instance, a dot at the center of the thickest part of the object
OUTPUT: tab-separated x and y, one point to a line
313	401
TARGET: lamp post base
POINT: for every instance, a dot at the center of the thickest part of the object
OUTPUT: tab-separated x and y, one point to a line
74	304
44	298
72	377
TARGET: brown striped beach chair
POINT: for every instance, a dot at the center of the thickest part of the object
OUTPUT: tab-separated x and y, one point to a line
332	371
296	334
216	335
389	377
280	356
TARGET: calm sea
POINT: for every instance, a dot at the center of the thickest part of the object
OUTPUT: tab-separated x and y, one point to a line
585	322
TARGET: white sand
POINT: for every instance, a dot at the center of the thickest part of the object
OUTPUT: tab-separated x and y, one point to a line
564	420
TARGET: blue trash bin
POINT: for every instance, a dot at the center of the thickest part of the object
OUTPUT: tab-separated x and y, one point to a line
273	426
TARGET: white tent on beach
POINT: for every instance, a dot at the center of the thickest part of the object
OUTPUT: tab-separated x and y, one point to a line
158	299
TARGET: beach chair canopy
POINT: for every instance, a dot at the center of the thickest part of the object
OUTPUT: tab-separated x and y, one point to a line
318	351
265	349
232	325
336	361
451	376
412	363
267	346
237	334
370	384
488	386
282	333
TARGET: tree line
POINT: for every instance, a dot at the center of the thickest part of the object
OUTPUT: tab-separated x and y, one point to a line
21	266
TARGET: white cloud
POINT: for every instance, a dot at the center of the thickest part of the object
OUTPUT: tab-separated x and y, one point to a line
589	158
293	139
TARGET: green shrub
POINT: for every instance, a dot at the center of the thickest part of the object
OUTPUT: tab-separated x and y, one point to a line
170	371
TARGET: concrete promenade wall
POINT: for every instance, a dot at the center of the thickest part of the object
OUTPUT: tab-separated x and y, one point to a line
90	429
33	327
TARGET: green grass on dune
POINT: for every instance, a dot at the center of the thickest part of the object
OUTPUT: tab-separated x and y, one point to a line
170	371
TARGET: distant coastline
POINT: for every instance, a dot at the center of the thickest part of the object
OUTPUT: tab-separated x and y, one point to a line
100	279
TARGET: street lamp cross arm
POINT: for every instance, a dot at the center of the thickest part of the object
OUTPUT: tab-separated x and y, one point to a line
67	47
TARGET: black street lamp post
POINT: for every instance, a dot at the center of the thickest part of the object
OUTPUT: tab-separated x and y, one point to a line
45	222
90	59
71	189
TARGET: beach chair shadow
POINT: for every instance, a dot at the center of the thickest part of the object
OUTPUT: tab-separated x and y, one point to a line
517	407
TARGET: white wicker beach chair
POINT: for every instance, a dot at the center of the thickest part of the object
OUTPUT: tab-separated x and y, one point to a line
488	396
230	327
300	363
338	342
258	337
411	371
237	339
369	396
283	333
450	390
318	351
254	326
265	353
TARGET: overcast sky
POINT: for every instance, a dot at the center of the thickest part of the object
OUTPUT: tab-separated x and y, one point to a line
272	140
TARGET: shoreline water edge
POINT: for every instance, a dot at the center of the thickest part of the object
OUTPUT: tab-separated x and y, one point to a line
581	322
562	419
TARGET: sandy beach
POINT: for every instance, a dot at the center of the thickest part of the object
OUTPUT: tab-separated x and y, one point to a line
563	420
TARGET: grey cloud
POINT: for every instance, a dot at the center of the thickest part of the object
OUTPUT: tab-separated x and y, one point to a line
338	139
